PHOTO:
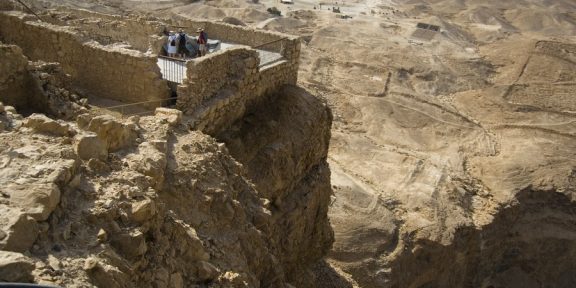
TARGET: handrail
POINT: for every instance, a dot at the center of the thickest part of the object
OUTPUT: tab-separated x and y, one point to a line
138	103
29	10
172	58
277	40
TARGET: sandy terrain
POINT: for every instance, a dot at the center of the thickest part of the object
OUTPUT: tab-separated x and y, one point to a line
431	138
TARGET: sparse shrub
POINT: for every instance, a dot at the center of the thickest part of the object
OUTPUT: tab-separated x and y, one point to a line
274	11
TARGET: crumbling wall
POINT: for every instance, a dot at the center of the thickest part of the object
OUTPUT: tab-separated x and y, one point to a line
36	86
13	76
107	29
103	71
222	86
287	45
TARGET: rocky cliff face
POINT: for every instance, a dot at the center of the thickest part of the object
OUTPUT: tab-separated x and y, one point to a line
146	202
290	171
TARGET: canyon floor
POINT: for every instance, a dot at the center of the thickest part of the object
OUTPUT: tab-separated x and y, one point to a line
452	154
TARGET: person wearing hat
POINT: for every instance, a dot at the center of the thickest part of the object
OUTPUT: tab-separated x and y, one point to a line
202	42
172	48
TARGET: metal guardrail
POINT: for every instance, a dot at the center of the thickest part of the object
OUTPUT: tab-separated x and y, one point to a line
29	9
268	43
172	69
121	107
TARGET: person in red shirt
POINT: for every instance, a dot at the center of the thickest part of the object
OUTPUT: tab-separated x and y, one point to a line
202	42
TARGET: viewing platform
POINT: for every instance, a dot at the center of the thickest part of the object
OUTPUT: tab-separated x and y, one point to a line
174	69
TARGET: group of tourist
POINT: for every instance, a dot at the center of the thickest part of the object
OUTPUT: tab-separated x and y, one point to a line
177	43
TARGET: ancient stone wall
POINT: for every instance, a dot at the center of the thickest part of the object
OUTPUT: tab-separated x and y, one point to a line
108	29
13	76
222	86
103	71
137	31
266	40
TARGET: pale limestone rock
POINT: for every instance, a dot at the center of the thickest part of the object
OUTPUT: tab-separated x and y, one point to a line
102	235
90	263
90	146
10	109
104	275
143	210
114	133
173	116
15	267
19	230
43	124
38	200
54	263
149	161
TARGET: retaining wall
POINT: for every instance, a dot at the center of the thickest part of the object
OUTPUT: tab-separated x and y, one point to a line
102	71
222	86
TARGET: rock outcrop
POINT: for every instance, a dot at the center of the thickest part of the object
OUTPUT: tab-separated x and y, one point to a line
145	201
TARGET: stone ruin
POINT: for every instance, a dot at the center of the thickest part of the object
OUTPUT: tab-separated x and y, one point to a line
116	57
144	201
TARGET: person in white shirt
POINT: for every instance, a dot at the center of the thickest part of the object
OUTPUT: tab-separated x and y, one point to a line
172	44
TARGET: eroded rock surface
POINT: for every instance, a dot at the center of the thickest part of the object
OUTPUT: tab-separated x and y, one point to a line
145	201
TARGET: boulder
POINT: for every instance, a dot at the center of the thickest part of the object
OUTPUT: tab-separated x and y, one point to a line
173	116
37	200
19	231
15	267
130	244
89	146
43	124
115	134
10	109
149	161
143	210
104	275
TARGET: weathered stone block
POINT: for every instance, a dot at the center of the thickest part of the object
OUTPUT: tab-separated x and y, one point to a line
38	200
131	244
114	133
15	267
90	146
43	124
173	116
143	210
18	230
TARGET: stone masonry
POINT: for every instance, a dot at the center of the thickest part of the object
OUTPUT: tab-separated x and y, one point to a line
221	87
103	71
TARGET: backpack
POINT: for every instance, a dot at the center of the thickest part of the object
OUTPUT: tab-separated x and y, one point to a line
173	42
